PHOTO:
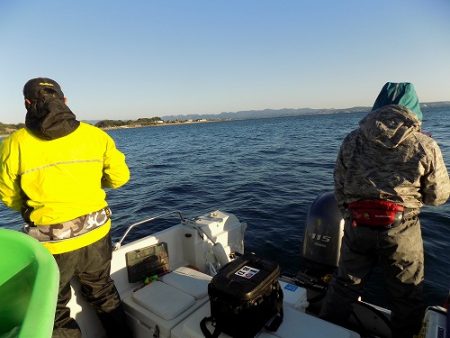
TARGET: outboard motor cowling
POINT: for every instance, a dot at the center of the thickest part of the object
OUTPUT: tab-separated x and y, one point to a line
323	232
321	249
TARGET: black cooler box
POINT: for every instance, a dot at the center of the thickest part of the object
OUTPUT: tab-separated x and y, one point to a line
245	296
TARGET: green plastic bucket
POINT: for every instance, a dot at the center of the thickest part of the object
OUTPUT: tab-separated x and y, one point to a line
29	280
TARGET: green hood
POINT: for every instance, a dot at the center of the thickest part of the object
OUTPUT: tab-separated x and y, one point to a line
402	94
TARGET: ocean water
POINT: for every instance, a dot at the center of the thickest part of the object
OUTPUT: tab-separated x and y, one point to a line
267	172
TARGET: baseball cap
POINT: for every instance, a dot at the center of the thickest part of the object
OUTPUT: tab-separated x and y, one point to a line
40	86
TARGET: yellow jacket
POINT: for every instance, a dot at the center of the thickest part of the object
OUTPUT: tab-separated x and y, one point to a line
61	179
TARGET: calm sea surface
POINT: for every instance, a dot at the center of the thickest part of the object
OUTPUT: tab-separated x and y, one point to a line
265	171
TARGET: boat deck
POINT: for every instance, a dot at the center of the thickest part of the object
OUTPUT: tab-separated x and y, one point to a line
174	305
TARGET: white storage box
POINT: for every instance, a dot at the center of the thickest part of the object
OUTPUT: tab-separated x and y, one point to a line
190	281
158	307
294	296
163	300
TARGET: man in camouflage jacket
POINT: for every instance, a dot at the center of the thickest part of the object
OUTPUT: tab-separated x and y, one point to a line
387	158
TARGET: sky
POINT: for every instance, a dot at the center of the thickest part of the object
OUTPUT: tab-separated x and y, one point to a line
146	58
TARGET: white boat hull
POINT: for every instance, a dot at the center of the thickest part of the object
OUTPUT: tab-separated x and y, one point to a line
174	305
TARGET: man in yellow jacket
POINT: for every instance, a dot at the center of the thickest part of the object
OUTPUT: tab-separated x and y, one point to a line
53	171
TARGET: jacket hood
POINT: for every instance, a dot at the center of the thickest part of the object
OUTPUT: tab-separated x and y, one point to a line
389	126
402	94
49	118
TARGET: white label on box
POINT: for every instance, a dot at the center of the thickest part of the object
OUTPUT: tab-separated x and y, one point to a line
246	272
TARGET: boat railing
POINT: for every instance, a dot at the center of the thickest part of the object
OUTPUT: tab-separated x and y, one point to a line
148	220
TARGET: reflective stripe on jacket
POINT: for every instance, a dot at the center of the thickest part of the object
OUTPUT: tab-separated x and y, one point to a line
59	180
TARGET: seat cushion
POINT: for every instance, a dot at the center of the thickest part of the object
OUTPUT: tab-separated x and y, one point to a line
190	281
163	300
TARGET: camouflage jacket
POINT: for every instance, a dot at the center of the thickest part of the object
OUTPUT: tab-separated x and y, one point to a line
389	158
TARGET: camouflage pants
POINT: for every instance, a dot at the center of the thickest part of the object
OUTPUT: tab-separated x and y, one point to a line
91	265
399	250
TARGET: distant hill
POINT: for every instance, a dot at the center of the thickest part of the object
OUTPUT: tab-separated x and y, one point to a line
267	113
6	129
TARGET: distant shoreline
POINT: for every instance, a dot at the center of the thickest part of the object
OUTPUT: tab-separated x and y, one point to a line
132	126
223	117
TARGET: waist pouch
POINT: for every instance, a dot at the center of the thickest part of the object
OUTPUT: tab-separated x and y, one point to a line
69	229
375	213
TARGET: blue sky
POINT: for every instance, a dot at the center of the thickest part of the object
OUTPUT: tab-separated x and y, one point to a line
145	58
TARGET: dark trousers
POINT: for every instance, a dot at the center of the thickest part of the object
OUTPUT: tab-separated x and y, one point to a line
399	250
91	265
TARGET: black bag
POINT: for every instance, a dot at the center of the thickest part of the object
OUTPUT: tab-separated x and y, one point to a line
245	296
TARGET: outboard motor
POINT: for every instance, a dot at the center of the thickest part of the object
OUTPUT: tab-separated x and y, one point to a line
322	241
323	232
